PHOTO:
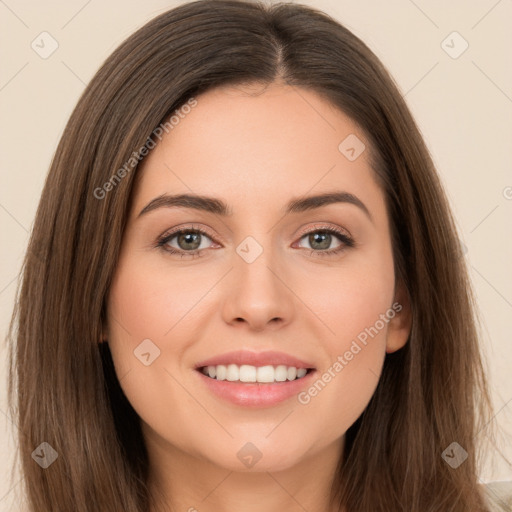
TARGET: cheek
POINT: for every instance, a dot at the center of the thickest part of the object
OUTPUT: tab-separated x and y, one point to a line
143	309
143	305
355	303
347	381
352	297
148	301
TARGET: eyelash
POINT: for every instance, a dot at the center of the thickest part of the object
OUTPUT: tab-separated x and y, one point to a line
347	242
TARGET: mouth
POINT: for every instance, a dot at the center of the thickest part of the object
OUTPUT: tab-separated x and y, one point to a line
255	379
245	373
255	387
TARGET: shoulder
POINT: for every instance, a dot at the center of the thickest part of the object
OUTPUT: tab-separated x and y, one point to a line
499	496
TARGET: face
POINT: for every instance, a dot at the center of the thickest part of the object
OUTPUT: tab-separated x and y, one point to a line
281	280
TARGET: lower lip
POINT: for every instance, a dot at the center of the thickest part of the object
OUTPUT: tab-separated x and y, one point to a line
256	394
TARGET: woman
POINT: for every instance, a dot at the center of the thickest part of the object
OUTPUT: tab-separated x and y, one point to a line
247	369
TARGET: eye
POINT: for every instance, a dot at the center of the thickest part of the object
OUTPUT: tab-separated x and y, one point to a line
187	242
320	241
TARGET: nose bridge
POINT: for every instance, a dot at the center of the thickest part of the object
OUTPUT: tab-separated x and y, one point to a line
255	257
258	294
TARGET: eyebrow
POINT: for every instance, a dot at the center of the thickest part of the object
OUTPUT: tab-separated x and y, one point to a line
219	207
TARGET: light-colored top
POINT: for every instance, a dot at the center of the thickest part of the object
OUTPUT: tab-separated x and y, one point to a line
499	496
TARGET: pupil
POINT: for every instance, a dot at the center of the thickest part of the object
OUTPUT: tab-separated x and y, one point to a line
188	238
323	238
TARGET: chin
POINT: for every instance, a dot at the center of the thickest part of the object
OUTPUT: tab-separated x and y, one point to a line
248	458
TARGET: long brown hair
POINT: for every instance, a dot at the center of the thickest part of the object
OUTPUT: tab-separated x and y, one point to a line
62	387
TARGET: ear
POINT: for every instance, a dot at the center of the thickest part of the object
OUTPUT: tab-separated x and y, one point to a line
399	327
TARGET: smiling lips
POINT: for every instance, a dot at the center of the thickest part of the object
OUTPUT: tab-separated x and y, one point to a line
254	379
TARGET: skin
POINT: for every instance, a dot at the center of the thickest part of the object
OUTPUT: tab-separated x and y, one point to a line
255	152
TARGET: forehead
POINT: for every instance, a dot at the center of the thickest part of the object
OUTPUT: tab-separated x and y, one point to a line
253	144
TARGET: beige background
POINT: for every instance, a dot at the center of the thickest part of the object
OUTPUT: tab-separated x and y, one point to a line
463	106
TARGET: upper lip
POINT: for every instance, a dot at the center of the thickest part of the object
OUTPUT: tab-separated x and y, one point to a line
266	358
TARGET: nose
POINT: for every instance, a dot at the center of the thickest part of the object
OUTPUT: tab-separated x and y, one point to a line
257	294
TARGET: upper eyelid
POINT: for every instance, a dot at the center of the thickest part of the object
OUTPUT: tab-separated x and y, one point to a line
170	234
324	227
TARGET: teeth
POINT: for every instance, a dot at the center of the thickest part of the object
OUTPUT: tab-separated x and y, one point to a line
248	373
